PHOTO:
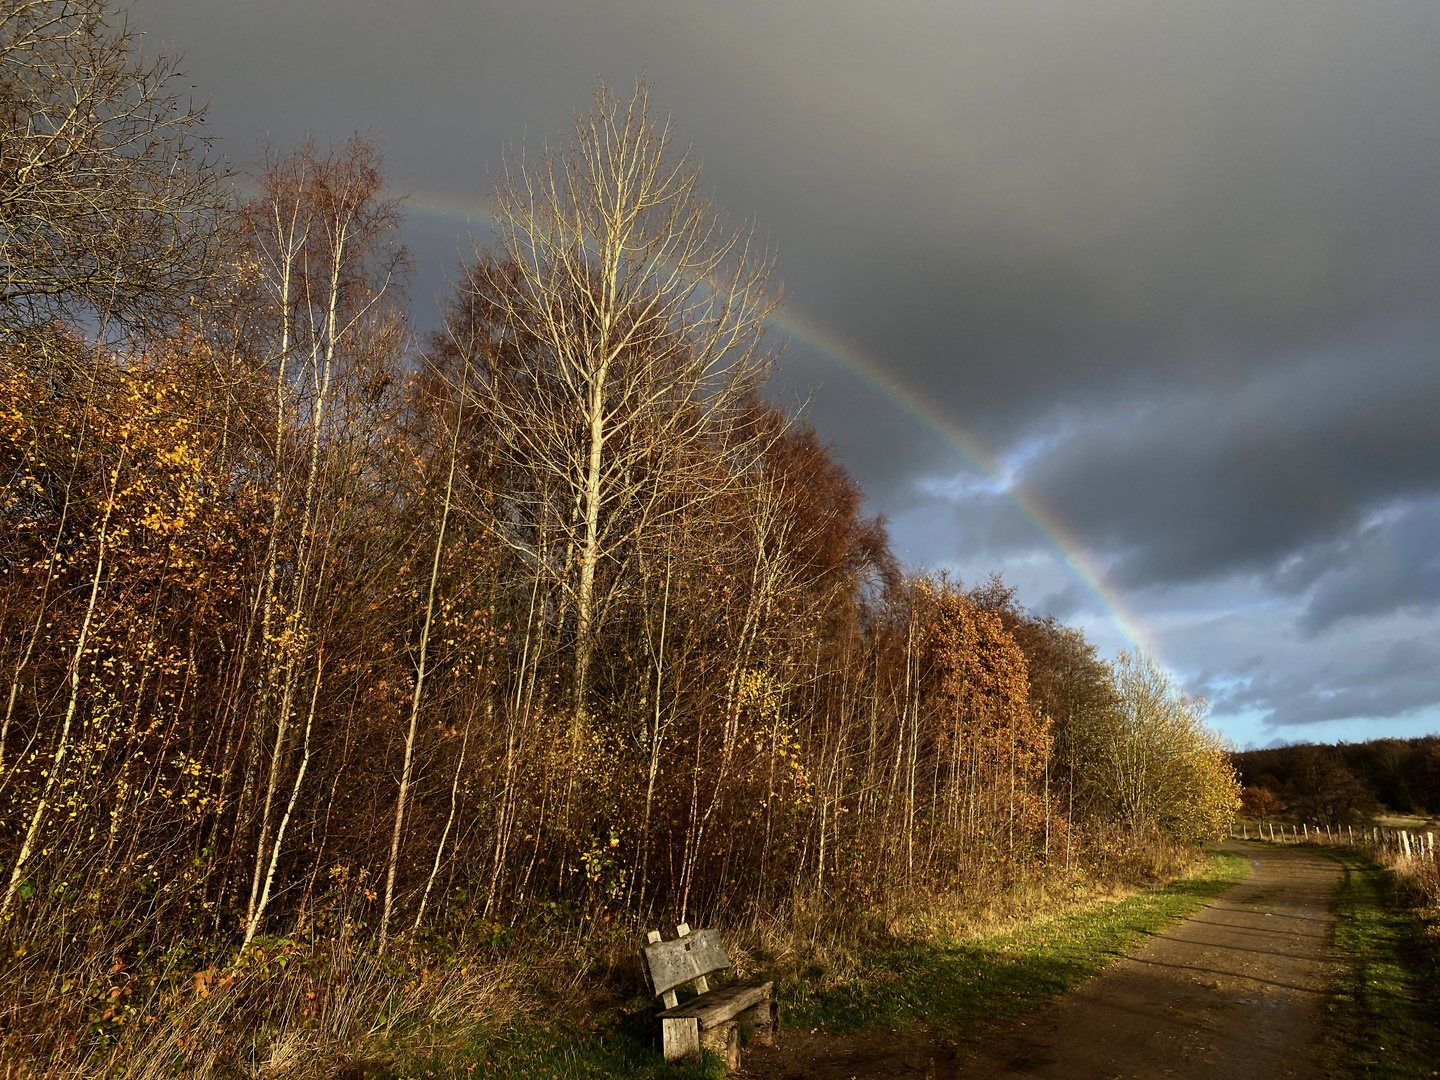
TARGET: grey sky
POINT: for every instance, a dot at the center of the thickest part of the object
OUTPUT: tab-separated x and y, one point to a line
1175	263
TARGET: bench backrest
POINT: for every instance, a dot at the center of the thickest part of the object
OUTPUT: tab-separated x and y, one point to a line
689	957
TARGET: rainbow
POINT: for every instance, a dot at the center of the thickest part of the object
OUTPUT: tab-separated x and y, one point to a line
447	207
849	357
846	355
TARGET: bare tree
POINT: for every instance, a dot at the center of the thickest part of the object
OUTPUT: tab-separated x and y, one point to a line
321	231
635	325
108	202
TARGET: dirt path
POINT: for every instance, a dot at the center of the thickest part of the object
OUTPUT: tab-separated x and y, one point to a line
1234	991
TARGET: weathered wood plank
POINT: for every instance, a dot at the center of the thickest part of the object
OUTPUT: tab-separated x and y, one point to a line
722	1005
702	984
673	963
682	1038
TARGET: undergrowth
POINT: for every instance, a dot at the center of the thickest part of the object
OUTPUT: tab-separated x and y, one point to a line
546	999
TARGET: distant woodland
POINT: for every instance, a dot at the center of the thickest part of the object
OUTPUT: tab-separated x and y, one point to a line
314	627
1342	785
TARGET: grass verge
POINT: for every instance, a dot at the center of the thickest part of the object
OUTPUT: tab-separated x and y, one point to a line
962	986
1385	1012
613	1046
958	985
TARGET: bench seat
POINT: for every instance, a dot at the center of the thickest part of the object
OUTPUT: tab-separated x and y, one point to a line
715	1019
726	1003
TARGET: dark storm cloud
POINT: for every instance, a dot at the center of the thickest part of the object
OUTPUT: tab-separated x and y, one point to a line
1285	462
1063	603
1400	679
1391	564
1004	203
1116	204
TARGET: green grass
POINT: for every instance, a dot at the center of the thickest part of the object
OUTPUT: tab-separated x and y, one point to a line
1385	1012
962	986
613	1046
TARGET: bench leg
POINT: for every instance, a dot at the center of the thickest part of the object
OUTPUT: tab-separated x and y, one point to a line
761	1023
724	1039
682	1038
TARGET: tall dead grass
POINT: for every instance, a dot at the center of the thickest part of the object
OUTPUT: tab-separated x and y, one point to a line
281	1010
1417	880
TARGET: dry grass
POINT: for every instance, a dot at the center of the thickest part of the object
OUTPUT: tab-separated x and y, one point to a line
282	1011
806	935
1417	884
1406	821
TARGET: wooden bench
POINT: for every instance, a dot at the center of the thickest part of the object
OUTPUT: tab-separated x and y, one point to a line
716	1019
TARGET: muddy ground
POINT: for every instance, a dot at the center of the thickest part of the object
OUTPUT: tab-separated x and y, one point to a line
1234	991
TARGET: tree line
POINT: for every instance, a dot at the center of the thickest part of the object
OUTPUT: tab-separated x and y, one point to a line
309	622
1342	784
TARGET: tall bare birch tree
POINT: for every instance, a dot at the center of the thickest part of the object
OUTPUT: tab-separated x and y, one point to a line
637	320
321	231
